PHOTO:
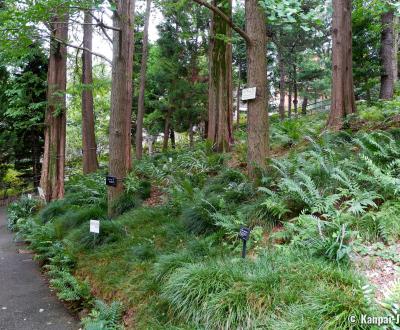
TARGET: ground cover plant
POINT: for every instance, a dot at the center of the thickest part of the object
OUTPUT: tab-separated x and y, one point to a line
177	264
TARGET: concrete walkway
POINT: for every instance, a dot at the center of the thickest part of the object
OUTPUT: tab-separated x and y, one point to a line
26	302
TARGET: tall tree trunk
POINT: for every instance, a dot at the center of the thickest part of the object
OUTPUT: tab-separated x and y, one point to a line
238	97
172	137
257	113
142	87
282	86
36	153
387	55
220	80
396	49
121	98
52	177
290	101
167	125
304	105
343	100
89	147
295	89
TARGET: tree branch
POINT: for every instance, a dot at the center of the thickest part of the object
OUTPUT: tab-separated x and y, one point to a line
226	18
83	48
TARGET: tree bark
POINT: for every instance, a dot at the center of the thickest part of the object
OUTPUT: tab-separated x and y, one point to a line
167	125
172	137
396	49
52	176
343	100
121	98
220	80
36	153
238	97
304	106
89	147
142	87
387	55
282	86
257	116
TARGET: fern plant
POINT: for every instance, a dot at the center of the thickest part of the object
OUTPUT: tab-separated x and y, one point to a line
104	316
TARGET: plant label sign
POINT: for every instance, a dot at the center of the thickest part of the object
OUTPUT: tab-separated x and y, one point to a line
111	181
244	233
95	226
249	93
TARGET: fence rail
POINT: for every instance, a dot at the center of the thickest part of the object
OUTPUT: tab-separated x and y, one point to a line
319	106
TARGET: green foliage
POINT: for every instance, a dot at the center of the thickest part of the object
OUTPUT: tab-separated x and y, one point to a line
322	238
87	190
104	316
383	224
143	252
110	232
20	210
125	202
235	294
67	286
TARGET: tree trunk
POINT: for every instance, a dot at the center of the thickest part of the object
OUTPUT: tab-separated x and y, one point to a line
396	39
257	113
143	70
36	153
238	97
387	55
220	80
304	105
52	177
290	101
121	98
167	125
172	137
282	86
89	147
343	100
295	90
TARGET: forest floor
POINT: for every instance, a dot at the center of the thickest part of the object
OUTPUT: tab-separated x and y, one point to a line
26	302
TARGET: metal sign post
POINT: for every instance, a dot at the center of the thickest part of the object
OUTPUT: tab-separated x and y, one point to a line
244	235
95	229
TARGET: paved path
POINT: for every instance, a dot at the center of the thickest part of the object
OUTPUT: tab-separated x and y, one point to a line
26	302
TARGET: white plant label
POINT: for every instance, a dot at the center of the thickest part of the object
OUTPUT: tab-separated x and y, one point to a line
95	226
249	93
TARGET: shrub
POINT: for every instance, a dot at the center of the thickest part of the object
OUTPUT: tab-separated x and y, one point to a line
55	209
197	216
23	208
125	202
74	218
87	189
110	232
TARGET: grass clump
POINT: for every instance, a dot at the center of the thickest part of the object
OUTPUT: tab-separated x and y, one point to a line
237	294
